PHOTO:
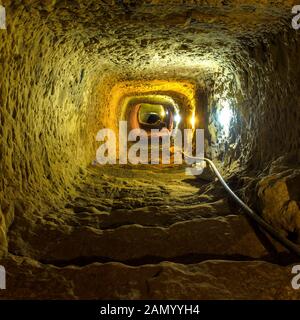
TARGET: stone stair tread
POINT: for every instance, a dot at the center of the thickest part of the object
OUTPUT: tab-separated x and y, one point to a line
219	236
212	279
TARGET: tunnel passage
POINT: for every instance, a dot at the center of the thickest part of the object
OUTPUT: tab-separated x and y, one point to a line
151	116
70	68
178	96
163	109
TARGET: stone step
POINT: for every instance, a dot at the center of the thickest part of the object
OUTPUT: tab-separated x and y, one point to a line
152	215
223	237
214	279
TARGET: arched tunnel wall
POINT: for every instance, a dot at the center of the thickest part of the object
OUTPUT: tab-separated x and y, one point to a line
272	100
55	94
46	92
44	95
262	84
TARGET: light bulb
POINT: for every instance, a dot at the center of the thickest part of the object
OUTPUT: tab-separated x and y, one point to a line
225	116
193	121
177	118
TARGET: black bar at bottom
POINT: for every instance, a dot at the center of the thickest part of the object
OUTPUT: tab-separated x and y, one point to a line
97	310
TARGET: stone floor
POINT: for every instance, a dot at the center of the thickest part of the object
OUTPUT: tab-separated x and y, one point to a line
140	233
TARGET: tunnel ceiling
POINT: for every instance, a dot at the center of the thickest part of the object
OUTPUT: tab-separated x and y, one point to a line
147	34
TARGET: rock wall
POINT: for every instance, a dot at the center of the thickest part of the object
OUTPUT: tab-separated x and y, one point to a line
60	59
45	92
264	92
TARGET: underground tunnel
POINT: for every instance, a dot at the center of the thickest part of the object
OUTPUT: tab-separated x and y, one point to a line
74	228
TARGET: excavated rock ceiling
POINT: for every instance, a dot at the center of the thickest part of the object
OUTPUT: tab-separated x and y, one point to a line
151	34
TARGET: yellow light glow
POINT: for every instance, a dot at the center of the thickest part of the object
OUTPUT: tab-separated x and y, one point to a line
122	92
193	121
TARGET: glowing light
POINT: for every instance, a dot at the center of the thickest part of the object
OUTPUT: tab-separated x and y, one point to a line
225	115
177	118
193	121
163	114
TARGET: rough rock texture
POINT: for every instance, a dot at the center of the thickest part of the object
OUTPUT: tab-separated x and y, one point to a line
279	195
132	238
211	279
60	60
116	219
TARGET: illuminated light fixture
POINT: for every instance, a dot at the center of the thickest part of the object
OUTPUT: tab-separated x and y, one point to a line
177	118
224	115
193	121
